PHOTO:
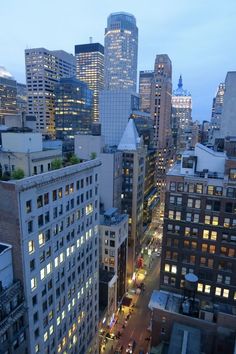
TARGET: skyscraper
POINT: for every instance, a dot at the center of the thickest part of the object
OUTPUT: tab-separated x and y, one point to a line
43	69
8	93
145	90
181	115
227	121
161	115
217	107
90	69
121	51
73	108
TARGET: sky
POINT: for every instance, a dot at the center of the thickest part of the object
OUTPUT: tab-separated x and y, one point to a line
198	35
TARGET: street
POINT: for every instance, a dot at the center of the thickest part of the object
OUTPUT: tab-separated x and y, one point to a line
139	319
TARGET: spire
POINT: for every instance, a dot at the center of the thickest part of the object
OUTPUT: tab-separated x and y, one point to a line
180	84
130	139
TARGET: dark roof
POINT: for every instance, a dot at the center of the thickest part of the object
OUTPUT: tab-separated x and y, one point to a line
105	276
89	48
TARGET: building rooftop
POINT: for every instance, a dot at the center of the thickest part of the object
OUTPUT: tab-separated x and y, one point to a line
112	217
185	340
105	276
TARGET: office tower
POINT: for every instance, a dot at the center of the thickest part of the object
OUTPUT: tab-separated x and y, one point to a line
114	249
90	69
116	107
181	115
161	115
227	121
43	69
121	52
200	224
7	94
51	220
25	150
134	154
217	106
13	325
73	108
21	97
145	89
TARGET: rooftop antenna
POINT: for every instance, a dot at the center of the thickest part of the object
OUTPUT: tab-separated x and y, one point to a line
90	40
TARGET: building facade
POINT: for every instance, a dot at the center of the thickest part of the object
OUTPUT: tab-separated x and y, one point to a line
181	115
13	324
121	52
43	69
200	225
90	69
227	121
114	248
134	155
217	106
73	108
8	94
52	220
145	89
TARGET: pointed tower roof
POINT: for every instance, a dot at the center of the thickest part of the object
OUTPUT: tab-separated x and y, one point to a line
180	83
180	91
130	139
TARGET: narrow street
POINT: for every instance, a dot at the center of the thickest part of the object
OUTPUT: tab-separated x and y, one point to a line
139	320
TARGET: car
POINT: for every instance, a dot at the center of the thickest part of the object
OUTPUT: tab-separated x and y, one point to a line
110	336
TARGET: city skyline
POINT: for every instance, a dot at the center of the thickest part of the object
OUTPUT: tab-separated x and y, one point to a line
163	28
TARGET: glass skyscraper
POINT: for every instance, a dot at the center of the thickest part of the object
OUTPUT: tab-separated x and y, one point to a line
121	51
73	108
90	69
7	94
145	89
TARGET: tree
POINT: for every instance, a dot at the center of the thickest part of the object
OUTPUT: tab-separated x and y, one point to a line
93	155
56	164
18	174
74	160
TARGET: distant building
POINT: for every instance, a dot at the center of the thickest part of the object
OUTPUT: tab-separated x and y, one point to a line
121	52
227	121
21	97
181	116
13	324
116	107
24	149
145	89
217	106
43	70
52	220
8	92
199	225
161	115
73	108
90	69
134	155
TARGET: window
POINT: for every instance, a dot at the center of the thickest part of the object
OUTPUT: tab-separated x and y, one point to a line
215	220
28	206
232	174
33	284
199	188
226	222
219	278
207	289
207	219
191	188
54	195
178	215
212	249
197	203
41	239
40	201
31	247
205	234
200	287
46	198
174	269
172	186
190	203
167	267
226	293
218	291
210	190
30	227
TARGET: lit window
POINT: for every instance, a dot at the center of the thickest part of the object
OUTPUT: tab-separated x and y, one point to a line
171	214
206	234
56	262
167	267
41	239
207	219
45	336
219	278
226	293
33	284
215	220
51	330
42	273
200	287
174	269
36	348
218	291
31	247
235	295
226	222
213	235
207	289
178	215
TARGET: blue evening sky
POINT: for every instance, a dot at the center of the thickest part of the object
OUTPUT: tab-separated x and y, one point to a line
198	35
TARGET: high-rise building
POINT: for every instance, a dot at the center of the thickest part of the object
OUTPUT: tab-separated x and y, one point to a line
134	155
21	97
181	115
145	89
121	52
161	114
7	94
51	221
200	225
43	69
227	121
73	108
217	106
116	107
90	69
